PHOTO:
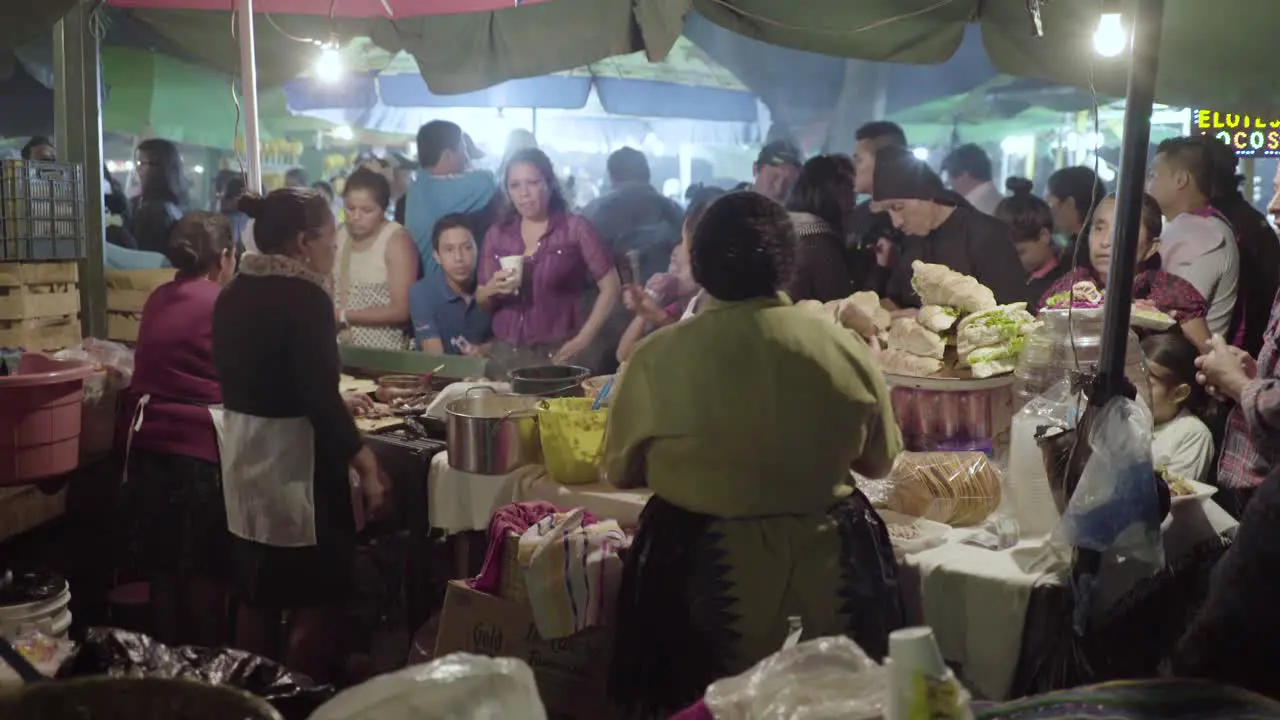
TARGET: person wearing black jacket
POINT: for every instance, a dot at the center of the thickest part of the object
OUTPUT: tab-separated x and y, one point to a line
820	205
939	231
163	199
1032	223
1259	249
287	437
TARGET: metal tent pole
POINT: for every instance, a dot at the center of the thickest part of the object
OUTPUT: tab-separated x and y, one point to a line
249	94
1148	17
77	83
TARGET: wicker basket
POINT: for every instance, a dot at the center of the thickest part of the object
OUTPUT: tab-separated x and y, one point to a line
131	699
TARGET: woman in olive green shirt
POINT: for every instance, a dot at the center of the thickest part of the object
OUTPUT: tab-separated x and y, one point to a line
745	421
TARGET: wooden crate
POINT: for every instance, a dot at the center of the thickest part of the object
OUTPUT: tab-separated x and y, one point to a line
39	305
127	293
41	334
36	290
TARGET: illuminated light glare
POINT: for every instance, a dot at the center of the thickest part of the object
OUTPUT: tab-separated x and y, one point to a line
1018	144
1106	174
199	169
329	64
344	132
921	153
128	165
1109	39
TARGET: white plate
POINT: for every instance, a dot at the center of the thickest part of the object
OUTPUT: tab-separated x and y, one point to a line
931	534
1201	491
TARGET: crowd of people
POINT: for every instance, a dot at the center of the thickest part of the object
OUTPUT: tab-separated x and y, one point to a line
239	444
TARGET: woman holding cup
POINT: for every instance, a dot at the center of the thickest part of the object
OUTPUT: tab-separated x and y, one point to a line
539	257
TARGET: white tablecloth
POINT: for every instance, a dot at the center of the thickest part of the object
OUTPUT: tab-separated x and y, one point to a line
460	502
976	599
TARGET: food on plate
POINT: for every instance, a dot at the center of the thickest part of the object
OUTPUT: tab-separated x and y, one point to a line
897	362
1084	295
902	532
868	304
348	385
1178	487
958	489
938	318
909	336
1144	314
989	342
940	285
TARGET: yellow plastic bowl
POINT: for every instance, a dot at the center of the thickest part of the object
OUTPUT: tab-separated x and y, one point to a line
572	439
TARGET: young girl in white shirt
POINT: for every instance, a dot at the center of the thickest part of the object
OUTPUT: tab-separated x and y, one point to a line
1182	444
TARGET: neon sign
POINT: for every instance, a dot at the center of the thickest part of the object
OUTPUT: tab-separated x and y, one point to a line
1248	135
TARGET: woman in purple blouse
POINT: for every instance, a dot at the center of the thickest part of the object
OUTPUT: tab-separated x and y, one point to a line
542	319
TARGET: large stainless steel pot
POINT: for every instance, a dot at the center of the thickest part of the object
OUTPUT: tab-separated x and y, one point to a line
492	434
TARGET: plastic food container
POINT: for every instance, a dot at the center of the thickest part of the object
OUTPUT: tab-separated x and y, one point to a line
572	439
40	418
953	415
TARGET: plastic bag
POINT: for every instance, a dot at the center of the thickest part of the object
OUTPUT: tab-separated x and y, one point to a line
1116	505
113	357
957	489
42	653
829	677
457	687
121	653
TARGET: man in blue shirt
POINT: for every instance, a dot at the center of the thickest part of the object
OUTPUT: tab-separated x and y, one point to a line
444	186
447	309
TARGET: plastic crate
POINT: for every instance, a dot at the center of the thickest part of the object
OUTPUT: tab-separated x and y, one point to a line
41	210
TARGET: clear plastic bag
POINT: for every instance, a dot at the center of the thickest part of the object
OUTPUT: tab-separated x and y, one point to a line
457	686
958	489
1116	505
114	358
822	679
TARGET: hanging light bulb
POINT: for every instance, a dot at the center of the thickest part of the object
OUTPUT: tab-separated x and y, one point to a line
921	153
329	67
343	132
1109	40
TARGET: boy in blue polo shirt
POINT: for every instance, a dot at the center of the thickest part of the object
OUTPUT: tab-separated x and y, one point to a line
447	309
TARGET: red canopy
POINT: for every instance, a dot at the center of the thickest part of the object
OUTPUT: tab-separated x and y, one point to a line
343	8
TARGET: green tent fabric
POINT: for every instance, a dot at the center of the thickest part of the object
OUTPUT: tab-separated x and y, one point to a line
152	94
1212	52
22	20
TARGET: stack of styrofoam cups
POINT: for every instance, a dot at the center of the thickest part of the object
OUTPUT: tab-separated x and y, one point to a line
914	653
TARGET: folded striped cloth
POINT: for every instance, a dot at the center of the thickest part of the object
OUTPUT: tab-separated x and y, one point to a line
572	572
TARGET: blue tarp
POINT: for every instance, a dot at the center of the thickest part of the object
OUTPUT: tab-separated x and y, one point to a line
618	96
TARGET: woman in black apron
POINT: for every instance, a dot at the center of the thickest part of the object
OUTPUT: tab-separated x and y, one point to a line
288	439
173	480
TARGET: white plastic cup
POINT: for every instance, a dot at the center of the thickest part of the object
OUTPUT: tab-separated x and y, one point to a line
515	263
914	650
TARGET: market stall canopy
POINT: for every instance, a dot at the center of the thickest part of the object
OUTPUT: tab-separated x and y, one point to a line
1211	53
158	96
687	84
455	53
345	8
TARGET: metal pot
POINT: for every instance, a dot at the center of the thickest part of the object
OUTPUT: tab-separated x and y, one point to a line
549	381
492	434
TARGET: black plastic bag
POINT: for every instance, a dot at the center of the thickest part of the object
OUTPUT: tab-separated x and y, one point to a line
122	653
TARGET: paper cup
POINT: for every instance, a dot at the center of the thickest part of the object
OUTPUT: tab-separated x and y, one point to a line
913	649
516	263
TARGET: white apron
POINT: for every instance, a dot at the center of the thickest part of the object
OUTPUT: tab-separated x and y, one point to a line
692	308
268	477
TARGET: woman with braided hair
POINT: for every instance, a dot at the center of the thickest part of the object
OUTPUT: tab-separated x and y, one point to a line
745	420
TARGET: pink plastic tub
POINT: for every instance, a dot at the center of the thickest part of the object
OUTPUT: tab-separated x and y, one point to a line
40	418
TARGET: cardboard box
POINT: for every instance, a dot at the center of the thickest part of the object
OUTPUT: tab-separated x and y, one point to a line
572	673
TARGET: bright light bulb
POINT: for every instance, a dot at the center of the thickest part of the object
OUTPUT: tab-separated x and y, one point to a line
329	65
1109	39
344	132
921	153
199	169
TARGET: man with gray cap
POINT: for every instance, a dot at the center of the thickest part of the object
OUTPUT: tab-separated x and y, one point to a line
776	170
938	230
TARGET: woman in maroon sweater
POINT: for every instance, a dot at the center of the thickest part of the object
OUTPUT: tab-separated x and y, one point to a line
174	479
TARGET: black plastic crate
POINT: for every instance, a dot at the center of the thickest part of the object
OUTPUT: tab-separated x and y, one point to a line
41	210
